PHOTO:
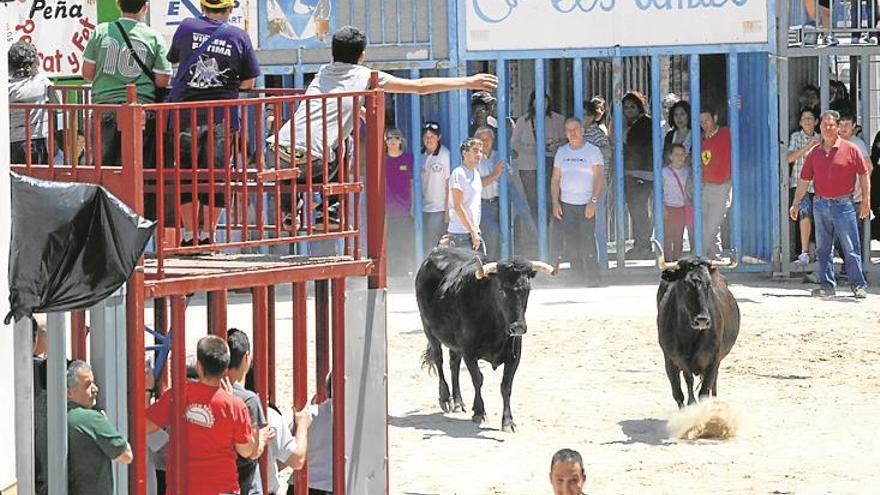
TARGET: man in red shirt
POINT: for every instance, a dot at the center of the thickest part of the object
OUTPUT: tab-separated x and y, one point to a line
218	425
833	167
716	179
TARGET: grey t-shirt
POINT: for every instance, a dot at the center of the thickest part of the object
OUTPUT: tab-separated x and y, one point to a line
30	90
249	469
336	77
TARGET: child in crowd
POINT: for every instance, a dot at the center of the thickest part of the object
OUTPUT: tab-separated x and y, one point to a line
677	207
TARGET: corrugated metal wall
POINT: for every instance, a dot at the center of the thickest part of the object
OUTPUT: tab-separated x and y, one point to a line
758	168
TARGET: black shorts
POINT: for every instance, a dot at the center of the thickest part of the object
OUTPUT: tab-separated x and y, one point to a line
203	150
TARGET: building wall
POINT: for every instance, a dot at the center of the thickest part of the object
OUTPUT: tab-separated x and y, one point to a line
7	414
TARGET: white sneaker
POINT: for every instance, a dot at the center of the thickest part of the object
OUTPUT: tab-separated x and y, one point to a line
804	258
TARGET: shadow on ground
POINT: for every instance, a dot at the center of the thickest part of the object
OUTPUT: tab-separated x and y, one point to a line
650	431
447	425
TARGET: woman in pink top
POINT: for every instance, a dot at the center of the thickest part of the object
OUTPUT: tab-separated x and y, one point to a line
398	203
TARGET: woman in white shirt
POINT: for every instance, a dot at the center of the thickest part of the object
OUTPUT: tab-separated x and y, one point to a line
435	185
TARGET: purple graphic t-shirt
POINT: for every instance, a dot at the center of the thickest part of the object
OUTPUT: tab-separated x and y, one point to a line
398	174
220	69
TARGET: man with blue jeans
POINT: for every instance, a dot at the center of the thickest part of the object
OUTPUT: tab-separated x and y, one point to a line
833	167
465	190
490	168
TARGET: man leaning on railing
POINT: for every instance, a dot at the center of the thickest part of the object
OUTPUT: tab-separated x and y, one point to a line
346	74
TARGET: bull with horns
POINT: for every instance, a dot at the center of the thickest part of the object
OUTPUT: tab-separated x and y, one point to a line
478	312
697	321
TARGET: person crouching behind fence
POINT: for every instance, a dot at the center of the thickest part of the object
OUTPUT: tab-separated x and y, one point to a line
216	61
465	189
345	74
218	425
92	441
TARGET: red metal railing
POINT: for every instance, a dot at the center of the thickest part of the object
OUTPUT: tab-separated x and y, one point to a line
248	179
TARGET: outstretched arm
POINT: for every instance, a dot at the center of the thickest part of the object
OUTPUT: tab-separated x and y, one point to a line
428	85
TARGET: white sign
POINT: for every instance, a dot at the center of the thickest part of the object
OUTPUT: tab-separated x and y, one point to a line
166	15
59	29
553	24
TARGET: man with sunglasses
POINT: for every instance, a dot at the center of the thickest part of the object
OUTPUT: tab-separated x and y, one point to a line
301	142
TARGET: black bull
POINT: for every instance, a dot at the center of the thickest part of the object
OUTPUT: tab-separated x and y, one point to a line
697	322
478	312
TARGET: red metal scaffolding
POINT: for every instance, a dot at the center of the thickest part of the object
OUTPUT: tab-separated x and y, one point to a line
253	183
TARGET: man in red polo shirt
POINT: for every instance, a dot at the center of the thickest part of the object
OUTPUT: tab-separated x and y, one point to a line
833	167
218	425
716	179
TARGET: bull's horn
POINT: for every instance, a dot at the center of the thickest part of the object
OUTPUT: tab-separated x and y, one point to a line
540	266
484	271
730	265
661	258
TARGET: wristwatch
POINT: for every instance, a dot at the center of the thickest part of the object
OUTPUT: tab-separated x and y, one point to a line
594	199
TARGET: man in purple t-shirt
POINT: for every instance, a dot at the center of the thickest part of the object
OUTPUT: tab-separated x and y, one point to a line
227	65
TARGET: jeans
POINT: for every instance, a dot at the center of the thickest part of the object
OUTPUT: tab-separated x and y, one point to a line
836	217
638	202
433	226
716	201
579	242
490	225
464	241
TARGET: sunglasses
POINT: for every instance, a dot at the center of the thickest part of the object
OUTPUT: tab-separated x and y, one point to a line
431	126
392	138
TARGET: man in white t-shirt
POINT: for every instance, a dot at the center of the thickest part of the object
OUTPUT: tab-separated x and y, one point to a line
307	146
465	190
574	189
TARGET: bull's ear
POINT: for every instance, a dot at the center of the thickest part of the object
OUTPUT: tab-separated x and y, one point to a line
672	275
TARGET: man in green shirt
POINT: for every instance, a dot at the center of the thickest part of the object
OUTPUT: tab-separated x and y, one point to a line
92	441
111	66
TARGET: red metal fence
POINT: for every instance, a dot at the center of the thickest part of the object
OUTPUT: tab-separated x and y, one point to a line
202	149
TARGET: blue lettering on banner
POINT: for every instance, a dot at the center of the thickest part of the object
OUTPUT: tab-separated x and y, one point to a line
686	4
567	6
496	15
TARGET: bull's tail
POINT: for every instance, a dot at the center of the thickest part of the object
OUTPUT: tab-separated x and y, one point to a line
428	360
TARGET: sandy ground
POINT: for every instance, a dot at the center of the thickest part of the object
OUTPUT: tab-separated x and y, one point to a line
803	378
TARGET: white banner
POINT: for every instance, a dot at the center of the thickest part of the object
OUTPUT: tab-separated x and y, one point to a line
59	29
166	15
493	25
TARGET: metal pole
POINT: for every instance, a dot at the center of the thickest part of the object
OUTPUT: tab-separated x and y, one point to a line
657	148
865	89
259	297
270	341
504	191
697	247
340	457
217	303
300	362
56	403
177	467
617	115
23	343
733	99
376	238
540	156
415	137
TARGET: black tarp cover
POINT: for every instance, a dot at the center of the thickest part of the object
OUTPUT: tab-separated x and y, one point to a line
72	245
